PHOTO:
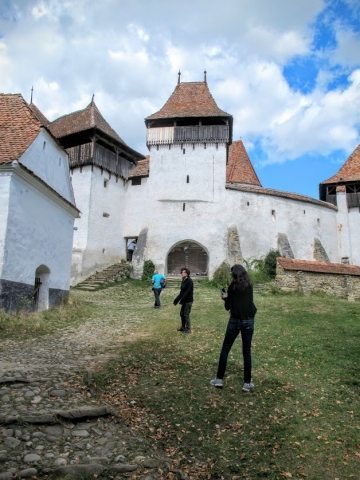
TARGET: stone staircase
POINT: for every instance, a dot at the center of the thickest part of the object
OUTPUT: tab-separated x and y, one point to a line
103	278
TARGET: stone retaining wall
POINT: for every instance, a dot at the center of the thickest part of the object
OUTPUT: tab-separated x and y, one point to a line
311	276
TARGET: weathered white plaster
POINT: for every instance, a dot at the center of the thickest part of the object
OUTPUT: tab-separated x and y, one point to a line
203	209
99	238
39	232
5	178
49	161
354	233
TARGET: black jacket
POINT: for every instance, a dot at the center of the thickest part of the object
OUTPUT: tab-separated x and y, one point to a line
240	302
186	292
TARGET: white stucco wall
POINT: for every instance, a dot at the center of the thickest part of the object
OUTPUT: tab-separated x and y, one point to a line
348	230
99	238
205	167
354	232
158	204
39	232
50	162
5	179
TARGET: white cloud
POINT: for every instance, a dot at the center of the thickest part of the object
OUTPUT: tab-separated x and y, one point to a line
128	53
348	47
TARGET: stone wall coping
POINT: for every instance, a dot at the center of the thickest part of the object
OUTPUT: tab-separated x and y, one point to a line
318	267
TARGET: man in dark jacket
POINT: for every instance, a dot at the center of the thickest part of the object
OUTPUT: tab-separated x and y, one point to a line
185	298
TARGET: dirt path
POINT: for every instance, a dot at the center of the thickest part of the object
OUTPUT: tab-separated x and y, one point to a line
50	423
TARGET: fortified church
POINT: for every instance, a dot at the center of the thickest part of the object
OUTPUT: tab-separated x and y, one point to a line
195	200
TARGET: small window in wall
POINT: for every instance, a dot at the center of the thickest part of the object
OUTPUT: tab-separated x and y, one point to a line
44	145
184	151
106	181
187	178
248	204
136	181
106	215
184	204
273	215
318	222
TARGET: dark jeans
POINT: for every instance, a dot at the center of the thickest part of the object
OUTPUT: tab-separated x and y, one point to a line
185	316
234	327
157	292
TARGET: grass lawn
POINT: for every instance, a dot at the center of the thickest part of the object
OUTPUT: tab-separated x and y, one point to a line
302	420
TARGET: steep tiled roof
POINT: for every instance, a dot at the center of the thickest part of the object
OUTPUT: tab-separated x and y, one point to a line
189	99
141	169
278	193
39	115
350	171
318	267
239	168
82	120
18	127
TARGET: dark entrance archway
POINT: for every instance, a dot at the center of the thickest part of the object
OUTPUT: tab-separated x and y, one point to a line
187	254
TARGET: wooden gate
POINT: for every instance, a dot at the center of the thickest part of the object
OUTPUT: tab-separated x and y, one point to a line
187	254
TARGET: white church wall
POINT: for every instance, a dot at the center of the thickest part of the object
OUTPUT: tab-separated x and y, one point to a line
188	172
261	218
39	233
100	231
348	229
354	232
5	178
138	207
50	162
81	182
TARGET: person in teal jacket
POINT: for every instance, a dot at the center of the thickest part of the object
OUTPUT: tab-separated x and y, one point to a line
158	282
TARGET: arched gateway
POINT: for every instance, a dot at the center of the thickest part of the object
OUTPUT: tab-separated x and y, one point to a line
187	254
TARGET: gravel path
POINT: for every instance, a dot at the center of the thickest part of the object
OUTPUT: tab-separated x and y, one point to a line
51	426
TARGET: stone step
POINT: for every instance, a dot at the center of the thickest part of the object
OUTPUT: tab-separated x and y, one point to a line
102	277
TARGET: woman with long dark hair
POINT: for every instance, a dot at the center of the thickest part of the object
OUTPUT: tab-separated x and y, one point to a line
239	300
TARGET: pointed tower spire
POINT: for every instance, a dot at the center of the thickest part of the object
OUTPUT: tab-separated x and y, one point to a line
92	98
205	81
31	96
179	75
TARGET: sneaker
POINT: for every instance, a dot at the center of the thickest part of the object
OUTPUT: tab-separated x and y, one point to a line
247	387
217	382
180	329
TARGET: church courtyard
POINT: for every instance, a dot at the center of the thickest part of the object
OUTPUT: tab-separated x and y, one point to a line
106	387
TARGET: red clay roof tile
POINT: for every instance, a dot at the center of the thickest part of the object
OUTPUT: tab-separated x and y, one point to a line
18	127
189	99
141	169
39	115
81	120
318	267
239	168
350	171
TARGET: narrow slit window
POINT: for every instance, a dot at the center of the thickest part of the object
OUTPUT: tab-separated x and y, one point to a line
184	207
187	178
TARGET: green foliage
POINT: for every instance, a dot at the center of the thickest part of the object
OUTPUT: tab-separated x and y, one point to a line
149	269
270	263
262	270
222	276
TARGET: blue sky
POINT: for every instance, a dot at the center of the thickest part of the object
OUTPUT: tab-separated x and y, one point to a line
288	72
